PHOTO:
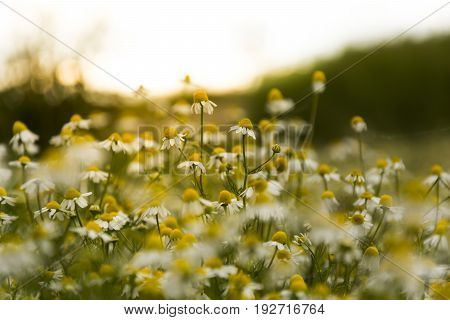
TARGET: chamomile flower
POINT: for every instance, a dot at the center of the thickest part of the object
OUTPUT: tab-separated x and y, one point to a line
371	259
227	203
171	138
318	81
193	165
64	138
367	200
220	156
357	181
438	239
212	135
359	224
54	211
23	140
385	204
279	240
201	102
93	231
115	144
147	141
261	185
265	208
23	162
240	286
438	175
276	103
396	164
215	268
94	174
330	200
5	199
244	128
181	108
114	221
77	122
6	219
32	186
358	124
191	202
74	198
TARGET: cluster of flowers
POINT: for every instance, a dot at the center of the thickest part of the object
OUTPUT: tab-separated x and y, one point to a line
106	219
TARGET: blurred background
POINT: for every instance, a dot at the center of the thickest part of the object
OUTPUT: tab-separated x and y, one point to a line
63	57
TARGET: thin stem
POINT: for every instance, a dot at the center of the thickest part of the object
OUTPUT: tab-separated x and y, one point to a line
312	121
397	184
258	168
380	184
27	202
378	226
273	257
159	229
201	144
437	204
244	186
78	216
107	180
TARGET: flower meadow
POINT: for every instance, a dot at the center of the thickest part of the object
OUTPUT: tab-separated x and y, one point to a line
184	208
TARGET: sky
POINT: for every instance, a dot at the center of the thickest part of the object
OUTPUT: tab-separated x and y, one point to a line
221	44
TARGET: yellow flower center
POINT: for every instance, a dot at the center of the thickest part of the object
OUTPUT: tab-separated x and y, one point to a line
115	137
386	200
356	120
93	226
170	132
441	227
211	128
200	95
245	123
214	263
108	216
436	169
92	168
72	193
127	137
327	194
297	283
18	127
366	195
262	198
381	164
176	234
274	95
283	254
266	125
53	205
107	270
324	169
183	266
319	76
24	159
225	197
3	192
240	280
195	157
76	118
280	237
371	251
190	195
218	150
260	185
171	222
281	164
357	218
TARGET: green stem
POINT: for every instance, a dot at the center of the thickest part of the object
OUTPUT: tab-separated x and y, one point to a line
244	186
273	257
378	226
380	184
108	179
312	121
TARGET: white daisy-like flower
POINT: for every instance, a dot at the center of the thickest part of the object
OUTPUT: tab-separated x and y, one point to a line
357	181
147	141
193	165
261	185
371	259
276	103
32	186
201	101
6	219
318	81
112	220
54	211
77	122
330	200
438	240
396	164
244	128
265	208
438	175
358	124
64	138
220	156
368	200
171	138
359	224
191	202
74	198
215	268
23	140
115	144
23	162
5	199
212	135
328	173
147	215
385	203
5	175
94	174
181	108
227	203
93	231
